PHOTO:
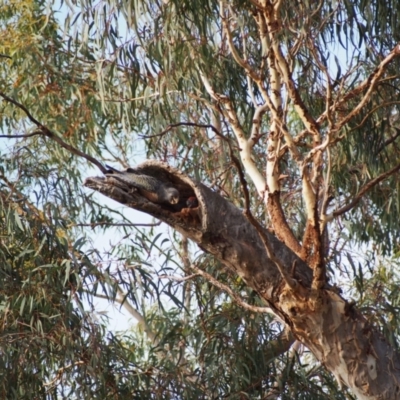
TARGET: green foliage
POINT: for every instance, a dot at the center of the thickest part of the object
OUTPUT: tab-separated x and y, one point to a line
107	77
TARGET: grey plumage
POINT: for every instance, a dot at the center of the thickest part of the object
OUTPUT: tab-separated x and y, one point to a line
153	189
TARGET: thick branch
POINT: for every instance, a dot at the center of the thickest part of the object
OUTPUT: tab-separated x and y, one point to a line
336	333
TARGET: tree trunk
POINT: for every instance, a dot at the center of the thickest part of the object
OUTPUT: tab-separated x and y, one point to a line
336	333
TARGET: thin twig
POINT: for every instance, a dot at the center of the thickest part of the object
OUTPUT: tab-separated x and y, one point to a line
361	193
26	135
293	92
61	370
231	293
145	97
178	278
241	62
368	84
370	112
123	301
390	140
51	135
95	224
172	126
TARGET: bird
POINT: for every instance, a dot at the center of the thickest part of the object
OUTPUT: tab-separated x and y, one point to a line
153	189
192	202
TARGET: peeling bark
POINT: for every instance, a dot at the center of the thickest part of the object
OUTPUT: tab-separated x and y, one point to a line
279	222
337	334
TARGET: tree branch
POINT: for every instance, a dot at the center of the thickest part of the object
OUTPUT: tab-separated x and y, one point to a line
26	135
122	299
243	63
172	126
230	292
178	278
390	140
336	333
368	84
95	224
362	192
286	277
298	104
244	145
51	135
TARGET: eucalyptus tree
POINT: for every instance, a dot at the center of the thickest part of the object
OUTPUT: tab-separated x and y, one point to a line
277	121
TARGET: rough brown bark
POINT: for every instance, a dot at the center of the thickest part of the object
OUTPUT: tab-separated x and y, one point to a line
279	222
337	334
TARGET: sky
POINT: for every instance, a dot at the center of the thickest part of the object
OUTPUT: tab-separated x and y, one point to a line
119	319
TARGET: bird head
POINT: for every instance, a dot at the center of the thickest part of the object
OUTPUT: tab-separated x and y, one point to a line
192	202
173	195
